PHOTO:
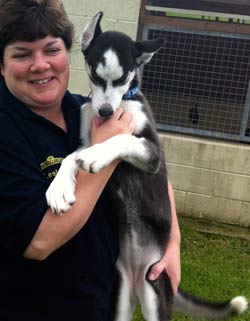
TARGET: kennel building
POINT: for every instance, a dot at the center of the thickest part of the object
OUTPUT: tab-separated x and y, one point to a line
199	82
198	85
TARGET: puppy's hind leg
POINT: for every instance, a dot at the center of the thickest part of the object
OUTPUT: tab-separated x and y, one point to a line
126	300
156	298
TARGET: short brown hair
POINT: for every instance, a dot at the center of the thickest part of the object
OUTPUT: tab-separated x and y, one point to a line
30	20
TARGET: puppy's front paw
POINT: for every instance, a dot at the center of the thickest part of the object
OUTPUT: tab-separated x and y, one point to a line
92	159
60	195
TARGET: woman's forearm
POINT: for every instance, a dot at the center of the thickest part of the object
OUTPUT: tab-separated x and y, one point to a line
175	235
54	230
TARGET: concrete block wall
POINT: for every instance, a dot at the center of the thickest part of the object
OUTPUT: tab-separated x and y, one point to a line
211	179
119	15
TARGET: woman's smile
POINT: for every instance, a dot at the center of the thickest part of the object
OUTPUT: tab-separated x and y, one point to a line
42	81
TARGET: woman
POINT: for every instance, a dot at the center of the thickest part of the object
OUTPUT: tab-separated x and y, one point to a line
53	267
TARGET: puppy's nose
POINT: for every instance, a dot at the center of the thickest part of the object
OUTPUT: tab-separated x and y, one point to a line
106	110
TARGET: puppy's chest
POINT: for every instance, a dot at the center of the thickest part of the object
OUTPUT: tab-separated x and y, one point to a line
136	108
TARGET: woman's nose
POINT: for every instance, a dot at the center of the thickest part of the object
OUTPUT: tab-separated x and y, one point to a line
39	63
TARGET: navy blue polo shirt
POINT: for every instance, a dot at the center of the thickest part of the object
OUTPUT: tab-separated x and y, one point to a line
75	282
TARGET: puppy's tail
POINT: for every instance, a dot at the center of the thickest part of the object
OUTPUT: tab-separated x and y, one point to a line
198	308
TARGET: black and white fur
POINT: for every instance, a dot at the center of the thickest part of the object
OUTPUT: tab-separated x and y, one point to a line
138	186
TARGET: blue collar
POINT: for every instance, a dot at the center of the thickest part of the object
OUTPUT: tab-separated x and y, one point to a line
131	93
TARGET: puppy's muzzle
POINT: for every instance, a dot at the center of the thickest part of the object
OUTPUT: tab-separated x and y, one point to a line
106	110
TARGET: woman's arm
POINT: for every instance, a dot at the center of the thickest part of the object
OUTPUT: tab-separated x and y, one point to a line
170	262
54	230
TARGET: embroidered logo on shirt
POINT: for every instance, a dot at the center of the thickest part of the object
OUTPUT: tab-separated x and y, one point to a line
50	161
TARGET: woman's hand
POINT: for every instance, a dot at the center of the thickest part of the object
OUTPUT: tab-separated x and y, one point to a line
170	264
119	123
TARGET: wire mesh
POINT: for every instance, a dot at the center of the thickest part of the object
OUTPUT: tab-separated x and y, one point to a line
198	82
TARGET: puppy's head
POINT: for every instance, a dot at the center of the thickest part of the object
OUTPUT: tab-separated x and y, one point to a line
112	59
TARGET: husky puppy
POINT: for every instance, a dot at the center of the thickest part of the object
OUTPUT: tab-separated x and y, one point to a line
138	187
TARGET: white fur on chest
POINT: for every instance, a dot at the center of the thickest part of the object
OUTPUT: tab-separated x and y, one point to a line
139	117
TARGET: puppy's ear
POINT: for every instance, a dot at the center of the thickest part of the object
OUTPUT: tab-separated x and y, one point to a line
91	31
146	49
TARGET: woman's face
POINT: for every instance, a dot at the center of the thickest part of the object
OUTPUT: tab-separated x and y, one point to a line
37	72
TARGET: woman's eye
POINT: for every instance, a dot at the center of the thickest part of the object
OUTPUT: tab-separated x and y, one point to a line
20	56
53	50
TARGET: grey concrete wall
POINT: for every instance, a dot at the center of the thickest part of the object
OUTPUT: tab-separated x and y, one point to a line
119	15
211	179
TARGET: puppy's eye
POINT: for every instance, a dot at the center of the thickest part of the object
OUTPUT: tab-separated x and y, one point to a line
121	81
94	75
97	79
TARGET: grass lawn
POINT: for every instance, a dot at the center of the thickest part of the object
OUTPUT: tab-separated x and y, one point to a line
214	267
